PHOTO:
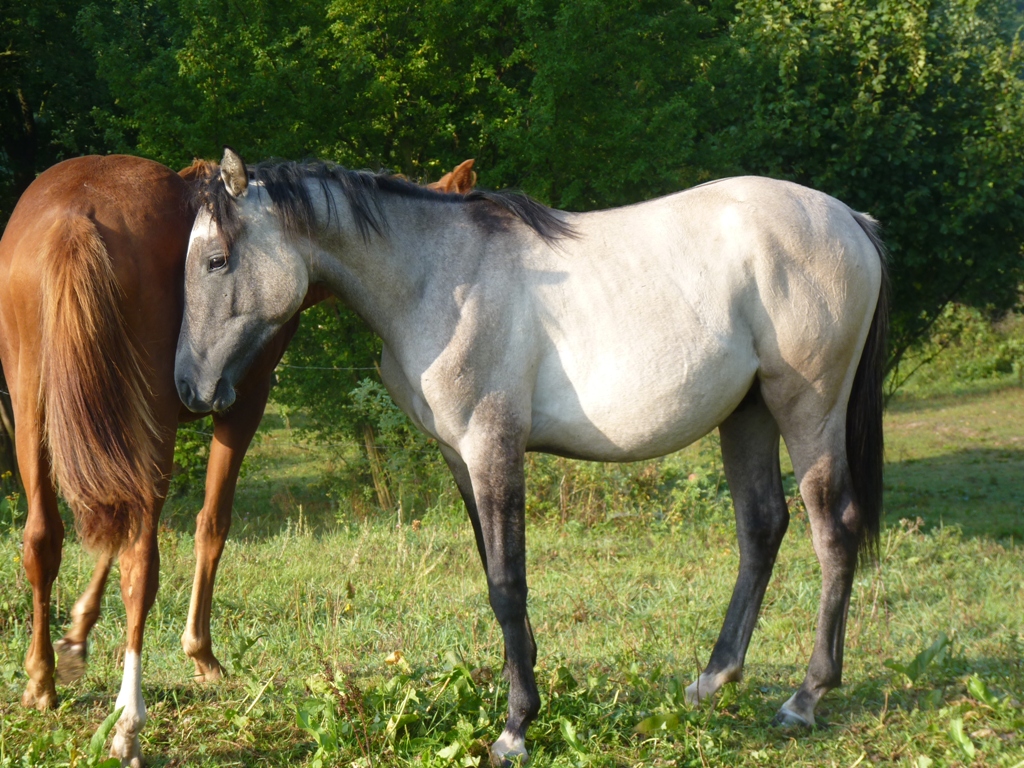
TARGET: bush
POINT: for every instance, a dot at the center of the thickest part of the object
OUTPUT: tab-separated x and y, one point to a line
964	347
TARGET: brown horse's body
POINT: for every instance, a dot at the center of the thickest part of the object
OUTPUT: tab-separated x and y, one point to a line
91	267
93	395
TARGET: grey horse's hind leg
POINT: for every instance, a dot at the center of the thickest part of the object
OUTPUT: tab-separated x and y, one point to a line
494	458
750	453
835	523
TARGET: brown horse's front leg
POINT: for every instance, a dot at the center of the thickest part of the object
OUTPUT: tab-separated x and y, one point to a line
232	434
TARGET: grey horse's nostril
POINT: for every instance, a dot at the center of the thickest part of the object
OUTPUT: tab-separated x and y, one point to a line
184	391
224	396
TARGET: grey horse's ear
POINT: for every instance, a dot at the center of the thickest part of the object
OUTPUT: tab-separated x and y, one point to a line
233	173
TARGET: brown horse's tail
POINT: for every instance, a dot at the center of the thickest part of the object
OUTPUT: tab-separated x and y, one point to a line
99	424
864	442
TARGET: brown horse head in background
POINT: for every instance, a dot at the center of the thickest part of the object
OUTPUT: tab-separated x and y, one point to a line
91	266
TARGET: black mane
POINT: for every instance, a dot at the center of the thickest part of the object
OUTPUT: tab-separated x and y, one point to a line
284	182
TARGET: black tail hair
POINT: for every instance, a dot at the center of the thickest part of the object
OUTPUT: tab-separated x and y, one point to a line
864	439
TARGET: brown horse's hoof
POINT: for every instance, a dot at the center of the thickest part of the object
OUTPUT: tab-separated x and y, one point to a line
41	696
71	660
209	671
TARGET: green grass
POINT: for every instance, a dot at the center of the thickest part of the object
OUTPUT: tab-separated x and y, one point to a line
313	601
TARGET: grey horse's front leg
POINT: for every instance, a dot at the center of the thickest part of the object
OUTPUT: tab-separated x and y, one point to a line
461	474
494	458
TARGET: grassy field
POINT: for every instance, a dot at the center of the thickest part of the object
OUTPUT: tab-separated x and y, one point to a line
356	642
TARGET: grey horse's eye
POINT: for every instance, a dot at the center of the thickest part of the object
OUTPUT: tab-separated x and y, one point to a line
218	262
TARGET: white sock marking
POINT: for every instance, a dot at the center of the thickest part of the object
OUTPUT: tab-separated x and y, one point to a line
509	745
134	715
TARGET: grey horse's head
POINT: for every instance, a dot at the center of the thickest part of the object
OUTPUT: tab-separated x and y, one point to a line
243	281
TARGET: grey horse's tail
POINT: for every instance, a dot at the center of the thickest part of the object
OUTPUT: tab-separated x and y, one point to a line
864	443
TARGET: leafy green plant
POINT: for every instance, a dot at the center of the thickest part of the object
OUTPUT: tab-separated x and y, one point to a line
443	715
191	454
963	347
961	739
937	652
56	748
96	757
978	688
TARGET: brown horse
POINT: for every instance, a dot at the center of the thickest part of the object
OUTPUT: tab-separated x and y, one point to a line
91	266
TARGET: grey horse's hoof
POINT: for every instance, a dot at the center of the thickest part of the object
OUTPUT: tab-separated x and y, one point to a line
509	751
787	718
71	660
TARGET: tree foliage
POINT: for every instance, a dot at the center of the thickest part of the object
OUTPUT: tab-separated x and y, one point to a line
908	109
49	92
912	111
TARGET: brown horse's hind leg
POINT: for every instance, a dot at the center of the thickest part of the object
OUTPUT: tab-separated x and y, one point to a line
750	453
44	538
140	574
232	433
73	650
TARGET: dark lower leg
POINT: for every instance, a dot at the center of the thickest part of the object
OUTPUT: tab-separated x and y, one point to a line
833	519
750	451
508	600
462	480
498	486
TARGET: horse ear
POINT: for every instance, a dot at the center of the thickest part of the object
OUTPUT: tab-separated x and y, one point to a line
234	173
463	177
461	180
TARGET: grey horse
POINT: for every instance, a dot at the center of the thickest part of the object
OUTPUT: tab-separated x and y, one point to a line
753	305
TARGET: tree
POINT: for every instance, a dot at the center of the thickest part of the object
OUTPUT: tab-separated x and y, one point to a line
48	93
415	87
616	100
911	111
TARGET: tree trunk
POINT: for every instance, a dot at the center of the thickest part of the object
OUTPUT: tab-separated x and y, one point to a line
380	480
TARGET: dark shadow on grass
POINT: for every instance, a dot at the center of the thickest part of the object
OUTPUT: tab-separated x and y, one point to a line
753	703
981	490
